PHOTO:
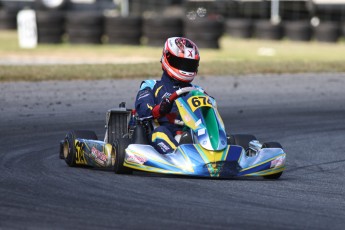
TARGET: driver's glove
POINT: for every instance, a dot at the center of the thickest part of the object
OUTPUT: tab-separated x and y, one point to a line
162	109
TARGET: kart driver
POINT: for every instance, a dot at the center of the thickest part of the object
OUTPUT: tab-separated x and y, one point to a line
180	61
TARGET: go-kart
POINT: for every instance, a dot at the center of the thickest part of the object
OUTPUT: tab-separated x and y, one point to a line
204	150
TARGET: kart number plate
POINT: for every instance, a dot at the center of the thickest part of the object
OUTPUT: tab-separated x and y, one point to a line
196	102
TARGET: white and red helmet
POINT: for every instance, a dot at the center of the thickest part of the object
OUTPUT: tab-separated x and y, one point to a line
180	59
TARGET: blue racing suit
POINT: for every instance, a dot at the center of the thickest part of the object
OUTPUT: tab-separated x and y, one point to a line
151	93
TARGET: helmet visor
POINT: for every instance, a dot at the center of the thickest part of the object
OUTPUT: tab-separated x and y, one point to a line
184	64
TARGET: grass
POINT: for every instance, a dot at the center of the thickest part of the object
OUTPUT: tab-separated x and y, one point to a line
236	57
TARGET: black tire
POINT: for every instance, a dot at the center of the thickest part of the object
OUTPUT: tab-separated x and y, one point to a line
84	32
50	31
239	28
207	44
204	24
327	32
204	32
342	29
87	19
204	40
204	36
120	146
241	140
124	33
298	30
163	34
69	150
50	26
49	18
61	156
47	39
266	30
123	30
273	176
8	19
163	22
84	27
157	30
272	145
122	22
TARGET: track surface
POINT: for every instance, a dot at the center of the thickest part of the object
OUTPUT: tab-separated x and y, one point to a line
306	113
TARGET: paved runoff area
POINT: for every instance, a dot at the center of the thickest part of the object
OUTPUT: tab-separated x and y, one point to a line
304	112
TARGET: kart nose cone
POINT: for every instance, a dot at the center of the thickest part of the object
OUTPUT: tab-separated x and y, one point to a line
223	168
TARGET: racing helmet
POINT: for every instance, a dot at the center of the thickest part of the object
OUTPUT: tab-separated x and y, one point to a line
180	59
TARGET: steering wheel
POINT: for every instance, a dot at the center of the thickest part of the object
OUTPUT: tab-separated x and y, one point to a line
178	94
182	91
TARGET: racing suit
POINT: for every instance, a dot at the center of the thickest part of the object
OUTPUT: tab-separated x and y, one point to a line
162	137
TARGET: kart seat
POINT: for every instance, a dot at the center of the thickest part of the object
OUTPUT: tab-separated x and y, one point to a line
139	135
186	138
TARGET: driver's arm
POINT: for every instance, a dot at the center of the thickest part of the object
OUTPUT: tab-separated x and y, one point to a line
162	109
144	103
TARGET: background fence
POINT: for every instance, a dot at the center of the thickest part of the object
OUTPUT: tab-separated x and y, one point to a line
150	22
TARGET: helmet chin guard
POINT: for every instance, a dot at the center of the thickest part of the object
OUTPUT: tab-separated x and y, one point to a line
180	59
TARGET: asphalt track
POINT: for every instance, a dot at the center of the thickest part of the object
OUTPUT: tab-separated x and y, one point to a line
305	113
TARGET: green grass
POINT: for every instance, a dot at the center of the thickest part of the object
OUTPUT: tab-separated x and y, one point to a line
236	57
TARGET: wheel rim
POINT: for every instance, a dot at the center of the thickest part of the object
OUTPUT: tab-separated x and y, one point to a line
65	149
113	156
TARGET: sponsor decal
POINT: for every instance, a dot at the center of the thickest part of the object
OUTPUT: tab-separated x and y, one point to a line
278	162
136	159
189	54
166	95
143	94
99	156
201	132
198	122
187	118
79	158
163	146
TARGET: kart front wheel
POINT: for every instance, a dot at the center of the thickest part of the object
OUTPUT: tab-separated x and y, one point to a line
272	145
120	146
273	176
69	150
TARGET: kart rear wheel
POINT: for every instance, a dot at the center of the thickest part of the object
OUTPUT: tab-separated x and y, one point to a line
241	140
120	146
69	151
272	145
